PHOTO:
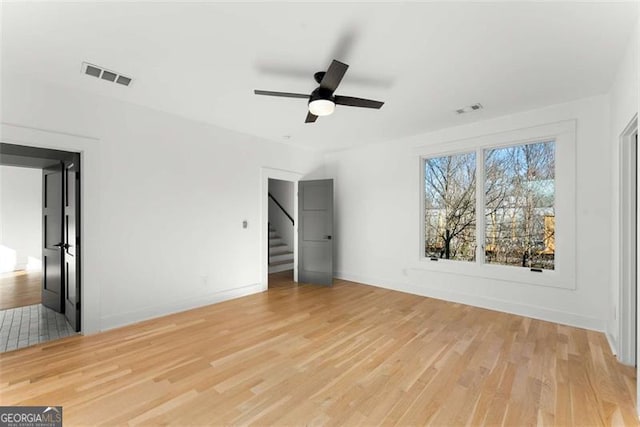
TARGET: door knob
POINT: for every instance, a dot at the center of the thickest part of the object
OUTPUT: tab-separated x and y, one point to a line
328	237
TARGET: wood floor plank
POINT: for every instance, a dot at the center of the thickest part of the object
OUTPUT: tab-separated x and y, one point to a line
347	355
20	289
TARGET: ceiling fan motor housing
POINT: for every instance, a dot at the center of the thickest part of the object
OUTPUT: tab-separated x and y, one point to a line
320	93
319	76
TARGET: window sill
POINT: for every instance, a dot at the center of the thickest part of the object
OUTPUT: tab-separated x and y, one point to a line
547	278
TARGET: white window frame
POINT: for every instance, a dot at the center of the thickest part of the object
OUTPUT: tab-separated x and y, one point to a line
564	273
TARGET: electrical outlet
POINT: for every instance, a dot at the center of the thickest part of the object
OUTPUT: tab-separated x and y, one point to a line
204	280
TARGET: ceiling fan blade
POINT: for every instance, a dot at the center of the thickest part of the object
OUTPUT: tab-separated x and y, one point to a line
283	94
333	76
357	102
310	118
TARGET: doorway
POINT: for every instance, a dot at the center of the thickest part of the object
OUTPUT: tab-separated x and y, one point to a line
285	186
39	244
20	236
628	244
281	228
312	218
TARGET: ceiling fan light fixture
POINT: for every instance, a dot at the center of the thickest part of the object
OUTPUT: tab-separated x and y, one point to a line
322	101
322	107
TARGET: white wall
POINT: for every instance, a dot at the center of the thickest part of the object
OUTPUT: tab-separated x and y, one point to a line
167	205
20	219
283	192
623	102
377	221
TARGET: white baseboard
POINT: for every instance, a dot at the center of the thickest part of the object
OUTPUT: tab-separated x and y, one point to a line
535	312
123	319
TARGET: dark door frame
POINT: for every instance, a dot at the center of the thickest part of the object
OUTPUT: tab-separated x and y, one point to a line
42	158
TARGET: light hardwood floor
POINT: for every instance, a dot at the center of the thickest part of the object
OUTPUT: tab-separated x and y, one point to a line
283	279
19	289
347	355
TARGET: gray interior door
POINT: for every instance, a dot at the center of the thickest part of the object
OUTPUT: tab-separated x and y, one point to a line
71	252
315	232
53	237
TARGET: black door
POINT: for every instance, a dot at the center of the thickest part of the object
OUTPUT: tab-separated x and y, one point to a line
53	233
71	252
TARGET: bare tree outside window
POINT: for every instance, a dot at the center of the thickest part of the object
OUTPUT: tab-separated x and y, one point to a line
519	205
450	207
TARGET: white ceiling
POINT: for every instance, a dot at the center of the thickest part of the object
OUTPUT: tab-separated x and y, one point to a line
202	61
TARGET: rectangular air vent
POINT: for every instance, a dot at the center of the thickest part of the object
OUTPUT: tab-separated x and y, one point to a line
104	74
123	80
469	108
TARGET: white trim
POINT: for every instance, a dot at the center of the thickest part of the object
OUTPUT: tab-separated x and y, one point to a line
151	312
480	199
498	139
627	261
532	311
612	343
284	175
564	135
90	207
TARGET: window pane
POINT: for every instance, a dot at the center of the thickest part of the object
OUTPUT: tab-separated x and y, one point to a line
519	205
450	207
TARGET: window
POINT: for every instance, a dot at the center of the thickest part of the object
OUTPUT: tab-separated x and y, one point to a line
450	207
519	184
519	195
502	206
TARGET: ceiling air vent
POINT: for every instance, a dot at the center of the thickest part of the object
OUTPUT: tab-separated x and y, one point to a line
469	108
104	74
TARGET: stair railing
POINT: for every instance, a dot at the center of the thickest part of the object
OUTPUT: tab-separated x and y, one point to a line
269	226
281	208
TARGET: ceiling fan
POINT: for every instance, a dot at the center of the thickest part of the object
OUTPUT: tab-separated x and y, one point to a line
322	100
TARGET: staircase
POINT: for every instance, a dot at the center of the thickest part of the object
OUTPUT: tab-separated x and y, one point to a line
280	255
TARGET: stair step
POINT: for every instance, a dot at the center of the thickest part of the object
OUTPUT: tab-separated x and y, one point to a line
288	252
283	262
280	257
278	250
283	256
279	268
